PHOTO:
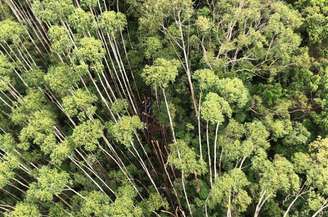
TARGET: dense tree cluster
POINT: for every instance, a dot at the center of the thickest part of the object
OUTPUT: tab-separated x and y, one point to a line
134	108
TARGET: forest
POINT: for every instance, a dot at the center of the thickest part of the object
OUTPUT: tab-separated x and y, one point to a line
163	108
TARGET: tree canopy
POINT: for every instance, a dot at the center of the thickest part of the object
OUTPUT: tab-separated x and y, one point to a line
141	108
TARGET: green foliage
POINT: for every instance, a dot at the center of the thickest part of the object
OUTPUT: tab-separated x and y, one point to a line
315	18
53	11
33	101
207	79
7	169
155	12
185	159
50	183
60	152
298	136
89	3
6	73
152	47
87	134
161	73
258	134
231	141
95	203
155	202
234	91
214	109
91	52
314	164
119	106
60	40
82	21
124	205
25	210
278	175
7	142
56	210
203	24
229	191
86	87
80	104
161	113
61	78
34	78
278	127
40	131
11	31
123	131
112	22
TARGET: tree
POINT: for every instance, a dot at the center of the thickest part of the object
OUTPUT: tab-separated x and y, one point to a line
234	91
7	169
257	133
80	104
7	142
123	131
278	175
6	73
95	203
231	141
214	108
34	78
87	134
12	32
61	152
32	102
50	183
25	210
229	192
154	203
59	80
184	158
207	79
53	11
152	47
161	73
82	21
91	52
60	40
40	131
112	22
124	204
120	106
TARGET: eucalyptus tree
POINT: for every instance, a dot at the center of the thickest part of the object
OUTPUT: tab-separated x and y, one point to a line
185	159
60	40
207	80
61	78
214	110
90	52
124	129
278	175
25	209
229	192
80	104
160	75
6	72
50	182
82	22
87	134
52	11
